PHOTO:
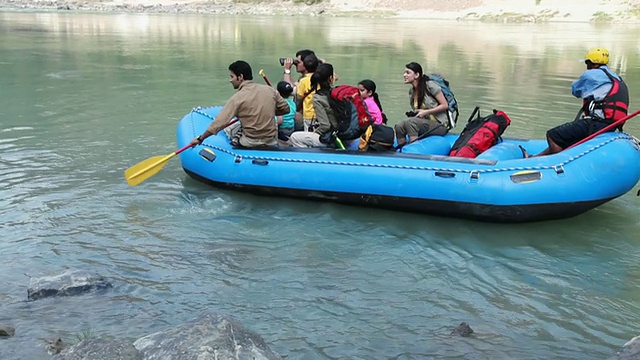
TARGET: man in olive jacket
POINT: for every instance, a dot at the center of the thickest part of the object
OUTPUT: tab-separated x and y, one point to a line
255	106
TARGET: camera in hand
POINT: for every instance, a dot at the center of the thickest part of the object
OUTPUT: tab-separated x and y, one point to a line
411	113
282	60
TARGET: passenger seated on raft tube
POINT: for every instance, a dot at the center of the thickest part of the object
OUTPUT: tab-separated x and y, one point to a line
605	99
429	106
255	106
322	79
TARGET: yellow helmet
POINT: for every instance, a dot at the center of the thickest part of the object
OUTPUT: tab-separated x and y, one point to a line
597	56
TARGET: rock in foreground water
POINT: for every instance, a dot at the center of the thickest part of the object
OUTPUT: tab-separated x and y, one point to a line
6	330
210	336
463	330
70	282
100	349
54	346
630	350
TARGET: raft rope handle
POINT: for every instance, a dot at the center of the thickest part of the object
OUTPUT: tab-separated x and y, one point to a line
621	136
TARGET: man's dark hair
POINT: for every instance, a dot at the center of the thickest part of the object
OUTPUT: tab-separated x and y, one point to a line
311	63
243	68
304	53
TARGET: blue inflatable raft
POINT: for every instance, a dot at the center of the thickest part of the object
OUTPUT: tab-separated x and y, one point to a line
500	185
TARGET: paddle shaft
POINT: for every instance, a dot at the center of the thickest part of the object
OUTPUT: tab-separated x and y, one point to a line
264	76
151	166
606	128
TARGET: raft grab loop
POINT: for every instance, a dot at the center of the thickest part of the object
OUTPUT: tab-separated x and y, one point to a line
207	154
445	174
523	177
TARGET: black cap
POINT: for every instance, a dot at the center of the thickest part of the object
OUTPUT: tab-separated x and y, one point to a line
284	88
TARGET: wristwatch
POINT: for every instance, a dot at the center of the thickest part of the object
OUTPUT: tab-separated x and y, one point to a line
287	71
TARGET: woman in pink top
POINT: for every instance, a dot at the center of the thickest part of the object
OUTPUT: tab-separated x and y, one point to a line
370	96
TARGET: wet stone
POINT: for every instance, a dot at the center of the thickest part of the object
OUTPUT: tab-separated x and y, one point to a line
210	336
630	350
6	331
69	283
100	349
54	346
463	330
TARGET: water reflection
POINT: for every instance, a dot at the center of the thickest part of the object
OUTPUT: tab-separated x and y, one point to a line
481	39
525	69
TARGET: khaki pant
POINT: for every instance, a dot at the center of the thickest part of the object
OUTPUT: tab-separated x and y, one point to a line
309	124
234	132
419	127
305	139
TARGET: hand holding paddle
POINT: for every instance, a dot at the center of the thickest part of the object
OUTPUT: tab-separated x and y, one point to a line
147	168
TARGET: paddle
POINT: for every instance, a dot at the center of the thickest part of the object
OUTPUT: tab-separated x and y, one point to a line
147	168
606	128
264	76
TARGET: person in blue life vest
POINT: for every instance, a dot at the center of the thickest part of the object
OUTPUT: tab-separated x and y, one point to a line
605	99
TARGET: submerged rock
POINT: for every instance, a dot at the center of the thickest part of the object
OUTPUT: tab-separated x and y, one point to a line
7	331
210	336
54	346
463	330
100	349
630	350
70	282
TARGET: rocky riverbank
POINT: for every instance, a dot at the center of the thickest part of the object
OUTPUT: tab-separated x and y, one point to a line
483	10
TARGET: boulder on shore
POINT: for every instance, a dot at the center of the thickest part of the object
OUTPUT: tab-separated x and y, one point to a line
70	282
209	336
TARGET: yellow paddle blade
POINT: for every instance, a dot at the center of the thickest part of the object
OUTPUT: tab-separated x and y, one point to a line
146	169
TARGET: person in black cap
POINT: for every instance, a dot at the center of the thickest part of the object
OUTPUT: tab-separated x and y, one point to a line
286	122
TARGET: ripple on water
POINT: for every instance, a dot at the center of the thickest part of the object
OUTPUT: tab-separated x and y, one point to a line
63	75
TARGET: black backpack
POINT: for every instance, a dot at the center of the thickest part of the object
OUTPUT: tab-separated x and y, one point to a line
350	111
377	138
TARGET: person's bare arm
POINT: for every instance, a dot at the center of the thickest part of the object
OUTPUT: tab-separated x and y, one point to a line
443	106
288	63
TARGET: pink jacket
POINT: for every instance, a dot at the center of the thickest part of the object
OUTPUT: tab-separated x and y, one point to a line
374	110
